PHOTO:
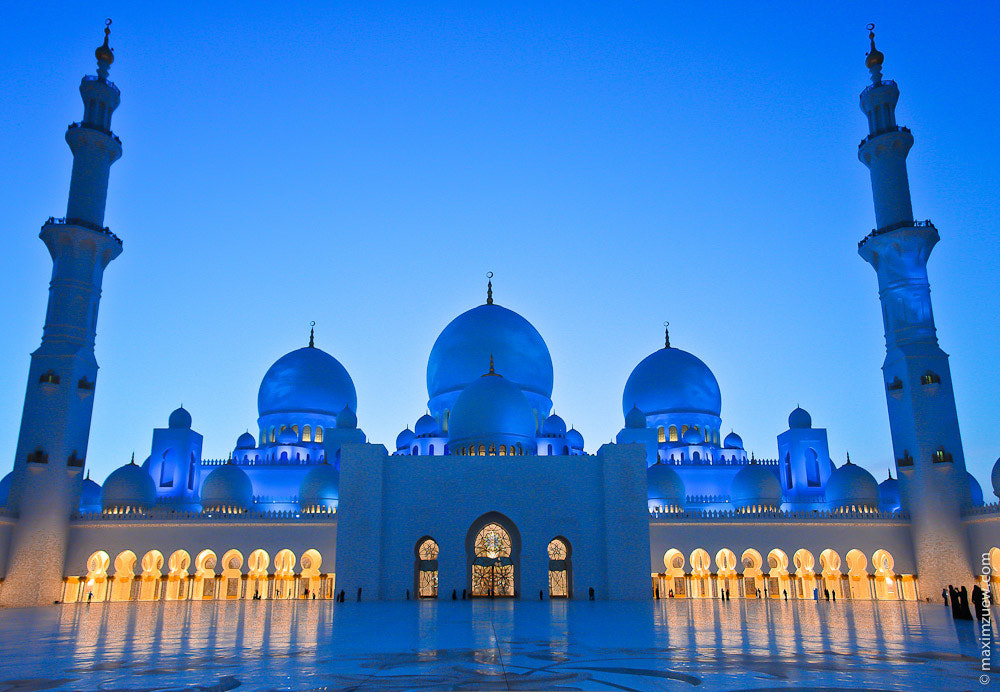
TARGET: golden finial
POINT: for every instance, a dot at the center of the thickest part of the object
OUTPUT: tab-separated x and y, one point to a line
104	52
489	289
666	334
875	56
492	372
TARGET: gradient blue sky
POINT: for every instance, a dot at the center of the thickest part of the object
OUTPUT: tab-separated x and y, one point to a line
364	166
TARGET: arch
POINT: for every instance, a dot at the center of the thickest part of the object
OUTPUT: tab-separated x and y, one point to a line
284	574
805	565
257	582
204	576
318	437
727	578
430	449
778	583
829	564
493	549
96	587
121	586
177	575
701	570
560	568
753	576
311	578
672	433
885	578
425	568
307	435
673	581
857	574
661	436
149	579
232	574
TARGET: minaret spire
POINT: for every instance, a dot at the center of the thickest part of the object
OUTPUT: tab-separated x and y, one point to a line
312	334
105	54
923	422
489	288
666	335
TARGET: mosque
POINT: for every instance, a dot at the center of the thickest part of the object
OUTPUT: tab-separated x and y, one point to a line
489	494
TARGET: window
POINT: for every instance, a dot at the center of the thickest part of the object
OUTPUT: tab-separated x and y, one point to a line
271	436
191	473
492	568
319	434
74	460
930	378
695	456
49	377
415	451
895	385
85	384
660	436
812	468
295	429
941	456
38	457
482	450
558	569
307	435
673	433
503	450
788	471
684	429
550	450
430	450
427	568
565	450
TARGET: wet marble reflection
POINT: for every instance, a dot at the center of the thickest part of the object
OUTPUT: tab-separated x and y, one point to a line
320	645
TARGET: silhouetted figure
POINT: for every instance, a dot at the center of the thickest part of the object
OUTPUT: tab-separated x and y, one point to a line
90	595
463	594
656	593
359	594
785	592
314	595
815	594
591	593
540	595
727	593
977	601
826	594
454	594
670	594
953	598
341	596
944	596
834	596
407	594
963	600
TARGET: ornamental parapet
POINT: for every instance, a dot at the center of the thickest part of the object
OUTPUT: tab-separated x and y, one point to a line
876	85
895	227
95	128
82	223
160	515
95	78
894	128
776	517
985	510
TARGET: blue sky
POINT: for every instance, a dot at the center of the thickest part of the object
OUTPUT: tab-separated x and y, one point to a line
364	166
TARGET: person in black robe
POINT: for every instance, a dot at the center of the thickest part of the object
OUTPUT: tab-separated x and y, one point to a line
953	599
963	605
977	601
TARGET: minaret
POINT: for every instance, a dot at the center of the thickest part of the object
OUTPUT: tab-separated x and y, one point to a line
922	416
55	423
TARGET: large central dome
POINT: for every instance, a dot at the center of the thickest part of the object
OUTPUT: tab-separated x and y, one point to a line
672	381
308	380
458	355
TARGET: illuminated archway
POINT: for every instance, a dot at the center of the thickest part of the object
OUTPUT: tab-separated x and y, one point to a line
885	578
284	574
121	586
493	547
857	575
426	568
829	563
778	583
257	565
96	585
232	574
805	574
204	576
701	572
753	575
728	579
149	579
312	580
177	575
673	583
560	568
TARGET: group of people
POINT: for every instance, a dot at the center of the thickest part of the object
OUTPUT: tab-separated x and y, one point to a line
959	600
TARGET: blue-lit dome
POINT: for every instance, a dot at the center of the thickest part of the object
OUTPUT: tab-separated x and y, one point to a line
227	489
128	487
320	489
180	418
458	355
346	419
995	478
90	496
755	486
733	441
288	437
246	441
692	437
491	409
672	381
799	418
575	439
308	380
635	419
975	490
554	426
851	485
404	439
888	495
426	426
664	487
5	488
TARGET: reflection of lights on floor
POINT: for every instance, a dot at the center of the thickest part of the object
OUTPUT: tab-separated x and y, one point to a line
448	645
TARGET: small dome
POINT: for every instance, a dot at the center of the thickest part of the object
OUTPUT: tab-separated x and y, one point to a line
90	496
995	478
851	485
104	52
664	486
180	418
672	381
554	426
975	490
404	439
320	488
733	441
491	409
692	436
308	380
246	441
227	488
753	486
799	418
426	426
287	437
635	419
128	487
888	495
346	419
5	488
575	439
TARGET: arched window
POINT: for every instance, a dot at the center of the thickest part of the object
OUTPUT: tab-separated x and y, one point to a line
812	468
559	569
565	450
550	450
49	377
708	435
673	433
319	434
415	451
503	450
493	450
295	429
307	435
427	568
660	435
695	456
788	471
930	378
482	450
271	436
684	429
492	566
430	450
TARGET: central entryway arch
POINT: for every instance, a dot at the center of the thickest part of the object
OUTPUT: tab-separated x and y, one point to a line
493	551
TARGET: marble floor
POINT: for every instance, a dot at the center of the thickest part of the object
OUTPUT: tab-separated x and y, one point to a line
655	645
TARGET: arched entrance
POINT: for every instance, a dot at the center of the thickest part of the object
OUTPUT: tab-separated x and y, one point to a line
426	568
560	570
493	548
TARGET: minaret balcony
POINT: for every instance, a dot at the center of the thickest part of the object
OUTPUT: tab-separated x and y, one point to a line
896	128
82	223
895	227
96	128
95	78
876	85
